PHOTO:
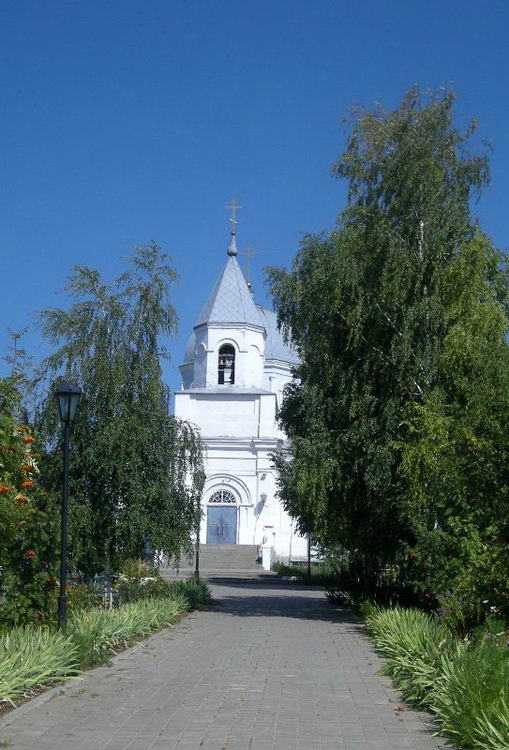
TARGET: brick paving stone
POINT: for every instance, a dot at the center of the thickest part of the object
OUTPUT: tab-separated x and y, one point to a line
272	666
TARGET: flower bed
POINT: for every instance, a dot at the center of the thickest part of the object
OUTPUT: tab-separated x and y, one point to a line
33	657
465	683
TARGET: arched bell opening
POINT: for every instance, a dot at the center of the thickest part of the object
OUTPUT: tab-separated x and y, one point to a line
226	365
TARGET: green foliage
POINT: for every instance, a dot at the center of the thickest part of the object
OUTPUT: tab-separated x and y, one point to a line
96	633
465	685
454	456
195	592
399	415
138	580
136	569
136	472
28	528
135	589
82	596
284	569
32	657
321	575
471	698
417	647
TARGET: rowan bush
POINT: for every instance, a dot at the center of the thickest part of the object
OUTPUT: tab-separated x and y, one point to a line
28	546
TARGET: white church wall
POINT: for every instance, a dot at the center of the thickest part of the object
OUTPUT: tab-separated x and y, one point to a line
249	348
182	408
254	366
246	470
276	376
240	466
236	416
200	360
187	372
267	426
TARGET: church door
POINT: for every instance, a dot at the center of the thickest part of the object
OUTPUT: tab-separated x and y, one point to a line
221	525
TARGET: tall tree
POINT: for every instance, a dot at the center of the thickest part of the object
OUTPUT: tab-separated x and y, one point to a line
136	472
369	311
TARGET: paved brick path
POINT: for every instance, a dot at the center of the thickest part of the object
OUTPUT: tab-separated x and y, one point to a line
271	667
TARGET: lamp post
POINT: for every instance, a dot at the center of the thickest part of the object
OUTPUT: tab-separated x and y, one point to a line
68	396
309	558
197	554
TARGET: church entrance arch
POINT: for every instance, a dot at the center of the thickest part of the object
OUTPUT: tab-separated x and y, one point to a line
222	518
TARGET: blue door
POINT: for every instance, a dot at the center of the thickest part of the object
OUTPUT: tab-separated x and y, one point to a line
221	525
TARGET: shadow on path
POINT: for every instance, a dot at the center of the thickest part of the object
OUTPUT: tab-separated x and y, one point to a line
274	598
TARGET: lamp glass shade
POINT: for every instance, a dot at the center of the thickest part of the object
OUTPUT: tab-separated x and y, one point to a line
68	396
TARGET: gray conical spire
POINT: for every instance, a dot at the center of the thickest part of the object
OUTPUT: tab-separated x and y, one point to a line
230	301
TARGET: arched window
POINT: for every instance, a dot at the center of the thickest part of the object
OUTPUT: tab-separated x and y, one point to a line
226	369
222	496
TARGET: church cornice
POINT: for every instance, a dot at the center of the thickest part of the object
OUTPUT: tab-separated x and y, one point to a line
241	443
231	324
226	390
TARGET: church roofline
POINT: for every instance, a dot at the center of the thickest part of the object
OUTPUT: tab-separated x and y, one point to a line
283	362
230	324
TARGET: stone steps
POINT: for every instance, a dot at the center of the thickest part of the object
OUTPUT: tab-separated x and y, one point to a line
219	558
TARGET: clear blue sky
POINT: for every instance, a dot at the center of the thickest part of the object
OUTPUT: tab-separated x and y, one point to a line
128	120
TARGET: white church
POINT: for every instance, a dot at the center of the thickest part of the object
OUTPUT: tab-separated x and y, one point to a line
236	365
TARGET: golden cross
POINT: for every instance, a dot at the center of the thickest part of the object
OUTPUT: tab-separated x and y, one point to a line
234	206
248	252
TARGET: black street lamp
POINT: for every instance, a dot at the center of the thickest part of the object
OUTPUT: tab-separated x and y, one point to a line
68	396
309	558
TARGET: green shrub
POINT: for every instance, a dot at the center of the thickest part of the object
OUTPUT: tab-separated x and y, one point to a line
135	569
30	657
366	608
138	579
194	591
82	596
460	613
320	575
466	685
417	647
28	522
493	629
97	633
471	698
136	589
